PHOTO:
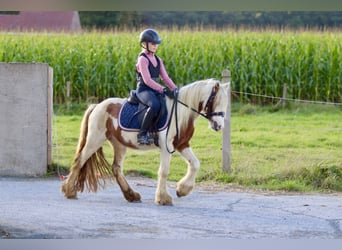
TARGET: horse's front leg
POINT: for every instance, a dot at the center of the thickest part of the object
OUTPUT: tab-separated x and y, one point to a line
162	196
186	184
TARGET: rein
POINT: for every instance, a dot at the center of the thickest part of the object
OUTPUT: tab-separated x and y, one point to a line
208	115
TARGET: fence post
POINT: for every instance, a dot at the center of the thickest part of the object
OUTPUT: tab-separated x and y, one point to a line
283	101
68	95
226	130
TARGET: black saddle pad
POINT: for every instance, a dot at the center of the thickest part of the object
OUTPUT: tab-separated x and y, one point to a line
128	118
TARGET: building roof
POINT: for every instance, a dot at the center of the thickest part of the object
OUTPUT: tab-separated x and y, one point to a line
41	21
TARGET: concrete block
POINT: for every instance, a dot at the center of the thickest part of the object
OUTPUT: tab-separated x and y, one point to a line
25	118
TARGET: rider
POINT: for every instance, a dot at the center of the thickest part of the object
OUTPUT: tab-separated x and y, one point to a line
149	67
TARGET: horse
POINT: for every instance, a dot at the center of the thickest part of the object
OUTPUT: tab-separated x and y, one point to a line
207	98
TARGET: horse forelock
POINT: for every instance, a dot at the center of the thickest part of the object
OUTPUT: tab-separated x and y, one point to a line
222	96
197	92
219	91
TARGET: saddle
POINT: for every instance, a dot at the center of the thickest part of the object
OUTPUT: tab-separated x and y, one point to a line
132	113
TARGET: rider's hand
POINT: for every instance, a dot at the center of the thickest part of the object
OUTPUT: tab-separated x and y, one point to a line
170	93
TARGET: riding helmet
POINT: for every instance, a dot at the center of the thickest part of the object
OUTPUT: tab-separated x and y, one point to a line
150	35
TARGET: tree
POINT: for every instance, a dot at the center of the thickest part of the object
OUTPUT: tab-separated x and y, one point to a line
212	19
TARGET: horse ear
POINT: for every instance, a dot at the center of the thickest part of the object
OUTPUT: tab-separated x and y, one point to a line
224	86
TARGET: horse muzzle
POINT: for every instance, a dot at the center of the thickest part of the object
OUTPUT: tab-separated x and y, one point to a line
216	126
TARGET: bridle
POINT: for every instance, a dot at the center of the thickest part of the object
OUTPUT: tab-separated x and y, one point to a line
209	106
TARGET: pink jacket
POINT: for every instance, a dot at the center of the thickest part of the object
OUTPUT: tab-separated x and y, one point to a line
142	68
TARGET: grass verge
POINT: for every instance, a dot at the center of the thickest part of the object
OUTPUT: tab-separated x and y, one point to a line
292	149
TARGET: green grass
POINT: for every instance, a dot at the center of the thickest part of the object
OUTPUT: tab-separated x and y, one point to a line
295	149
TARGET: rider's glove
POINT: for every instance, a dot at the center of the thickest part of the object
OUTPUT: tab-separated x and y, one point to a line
170	93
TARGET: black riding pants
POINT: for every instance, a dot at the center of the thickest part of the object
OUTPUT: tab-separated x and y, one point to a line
150	98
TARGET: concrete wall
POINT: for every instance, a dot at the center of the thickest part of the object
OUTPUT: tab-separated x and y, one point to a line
25	118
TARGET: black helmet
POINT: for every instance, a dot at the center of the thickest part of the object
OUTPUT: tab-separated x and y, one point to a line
150	35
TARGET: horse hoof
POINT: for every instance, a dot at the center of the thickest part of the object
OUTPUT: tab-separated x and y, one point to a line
137	201
167	202
184	191
71	196
133	197
67	193
164	203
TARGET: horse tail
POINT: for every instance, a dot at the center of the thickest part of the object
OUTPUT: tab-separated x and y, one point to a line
84	129
91	173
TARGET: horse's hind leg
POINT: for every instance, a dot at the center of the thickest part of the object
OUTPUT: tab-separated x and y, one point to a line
70	186
119	156
186	184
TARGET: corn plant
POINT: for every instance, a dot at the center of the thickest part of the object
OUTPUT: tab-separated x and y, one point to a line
102	64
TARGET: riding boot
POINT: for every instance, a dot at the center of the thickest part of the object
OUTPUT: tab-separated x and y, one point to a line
143	135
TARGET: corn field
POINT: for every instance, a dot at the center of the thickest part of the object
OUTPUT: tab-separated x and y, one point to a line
102	64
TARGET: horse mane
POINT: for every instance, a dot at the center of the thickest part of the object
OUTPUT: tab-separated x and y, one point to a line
195	96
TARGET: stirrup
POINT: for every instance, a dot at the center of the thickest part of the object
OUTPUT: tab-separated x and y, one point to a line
143	139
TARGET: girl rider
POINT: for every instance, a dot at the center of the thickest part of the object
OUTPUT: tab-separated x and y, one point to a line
149	67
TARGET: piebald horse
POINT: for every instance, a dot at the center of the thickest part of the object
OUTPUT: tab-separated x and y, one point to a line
207	98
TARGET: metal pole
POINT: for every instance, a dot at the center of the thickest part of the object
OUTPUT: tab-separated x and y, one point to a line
226	149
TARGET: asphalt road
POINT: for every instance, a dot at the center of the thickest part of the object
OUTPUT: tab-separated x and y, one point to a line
35	208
